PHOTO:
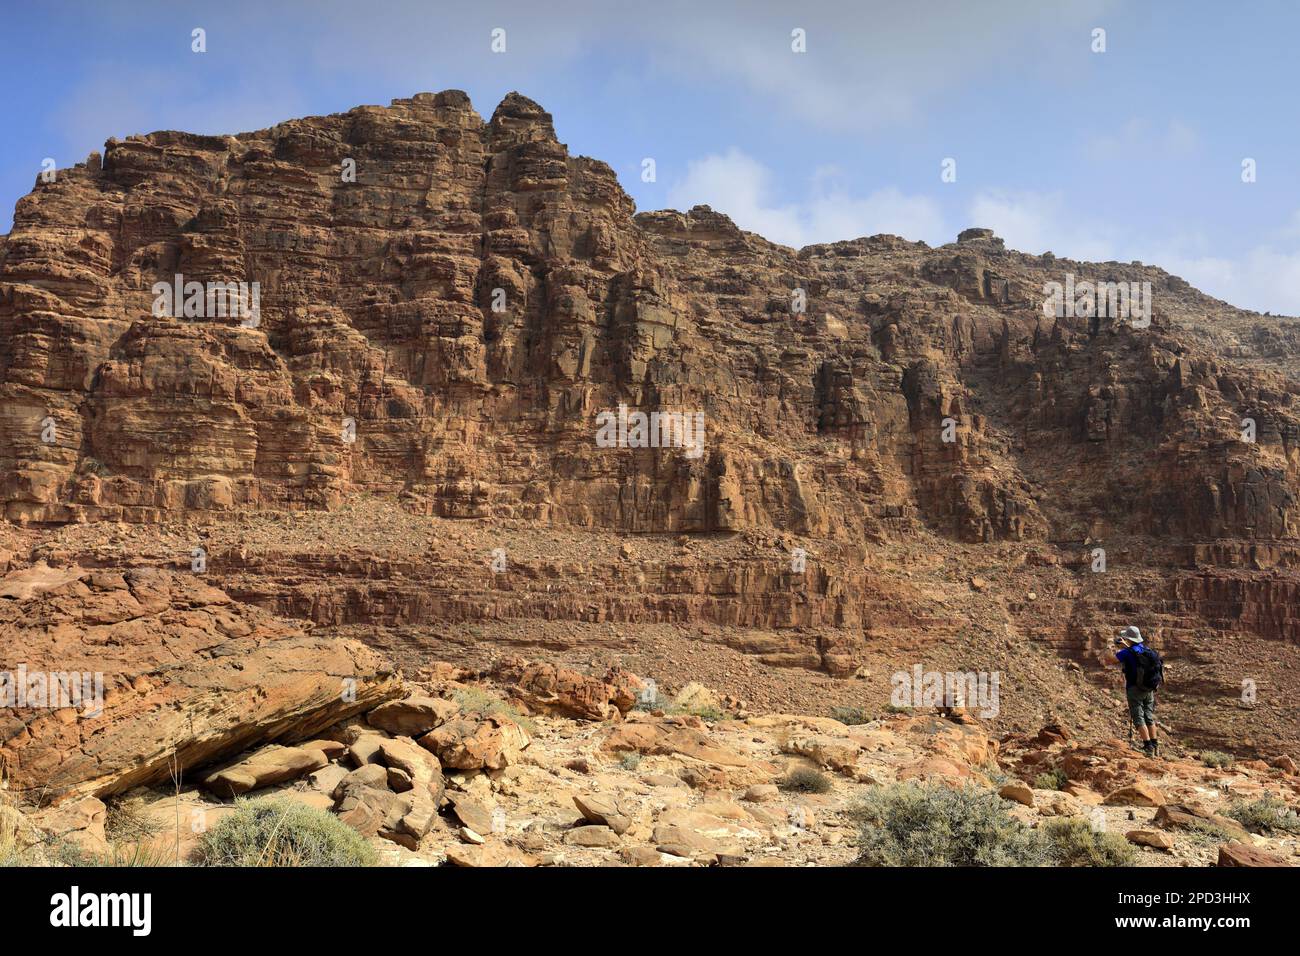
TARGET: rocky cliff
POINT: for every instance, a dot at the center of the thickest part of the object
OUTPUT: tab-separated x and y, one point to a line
446	309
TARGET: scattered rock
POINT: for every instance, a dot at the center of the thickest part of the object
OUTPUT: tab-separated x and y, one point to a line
1139	794
592	836
1152	838
271	764
1239	854
1019	792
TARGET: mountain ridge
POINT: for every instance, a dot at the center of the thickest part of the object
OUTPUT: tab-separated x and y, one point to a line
826	428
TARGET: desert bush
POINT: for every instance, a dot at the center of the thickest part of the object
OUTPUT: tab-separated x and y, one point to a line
805	780
1073	842
670	709
126	821
10	851
276	832
1216	758
1205	833
1268	814
996	775
850	715
475	700
146	853
911	824
630	760
1051	780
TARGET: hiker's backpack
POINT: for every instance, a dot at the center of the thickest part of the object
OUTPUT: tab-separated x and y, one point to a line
1150	668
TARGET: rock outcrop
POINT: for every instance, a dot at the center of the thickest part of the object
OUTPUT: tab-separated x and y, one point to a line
123	679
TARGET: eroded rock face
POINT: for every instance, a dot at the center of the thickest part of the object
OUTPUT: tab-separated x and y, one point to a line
188	677
474	297
445	328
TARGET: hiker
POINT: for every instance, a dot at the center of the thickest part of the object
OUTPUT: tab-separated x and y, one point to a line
1143	673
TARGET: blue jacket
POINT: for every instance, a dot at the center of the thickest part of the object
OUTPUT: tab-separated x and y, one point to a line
1128	657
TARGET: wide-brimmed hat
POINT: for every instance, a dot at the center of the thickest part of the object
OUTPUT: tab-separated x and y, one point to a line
1130	635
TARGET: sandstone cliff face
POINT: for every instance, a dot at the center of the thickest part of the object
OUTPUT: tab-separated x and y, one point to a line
476	297
445	327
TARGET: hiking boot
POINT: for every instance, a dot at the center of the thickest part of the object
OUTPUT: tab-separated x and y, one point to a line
1155	748
1149	748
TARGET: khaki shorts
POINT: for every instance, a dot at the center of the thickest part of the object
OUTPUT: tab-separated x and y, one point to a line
1141	706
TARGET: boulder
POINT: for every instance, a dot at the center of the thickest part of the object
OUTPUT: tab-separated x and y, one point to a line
270	765
332	749
1017	791
371	811
412	716
371	775
592	836
470	812
495	854
365	749
1139	794
492	743
419	765
327	778
1177	816
1152	838
558	690
603	811
419	820
77	823
1239	854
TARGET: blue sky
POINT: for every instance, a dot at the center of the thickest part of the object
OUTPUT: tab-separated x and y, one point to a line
1132	153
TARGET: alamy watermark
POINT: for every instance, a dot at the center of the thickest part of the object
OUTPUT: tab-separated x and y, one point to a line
624	429
54	690
977	690
1126	301
210	300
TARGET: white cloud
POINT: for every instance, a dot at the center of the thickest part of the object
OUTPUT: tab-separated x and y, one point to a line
1264	278
867	65
1039	222
740	186
1139	138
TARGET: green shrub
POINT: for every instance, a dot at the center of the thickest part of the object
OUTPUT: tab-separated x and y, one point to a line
1072	842
146	854
630	760
805	780
850	715
996	775
660	702
647	703
478	702
711	714
1051	780
1205	833
910	824
277	832
1268	814
1217	759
